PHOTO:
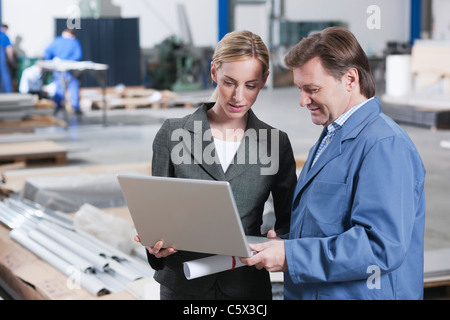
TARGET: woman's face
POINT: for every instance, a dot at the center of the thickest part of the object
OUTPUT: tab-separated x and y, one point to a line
238	85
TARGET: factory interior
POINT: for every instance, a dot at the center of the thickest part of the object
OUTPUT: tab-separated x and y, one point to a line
145	61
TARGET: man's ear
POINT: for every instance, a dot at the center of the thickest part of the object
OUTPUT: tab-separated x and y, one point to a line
351	79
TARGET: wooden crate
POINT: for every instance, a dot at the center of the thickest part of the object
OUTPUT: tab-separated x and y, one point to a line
136	97
28	125
33	153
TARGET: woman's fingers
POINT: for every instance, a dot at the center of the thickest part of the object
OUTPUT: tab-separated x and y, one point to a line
158	251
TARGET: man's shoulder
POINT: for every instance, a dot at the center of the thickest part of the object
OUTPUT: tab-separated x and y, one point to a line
384	130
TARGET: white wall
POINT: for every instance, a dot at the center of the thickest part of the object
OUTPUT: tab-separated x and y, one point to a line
441	19
159	19
394	18
254	18
33	20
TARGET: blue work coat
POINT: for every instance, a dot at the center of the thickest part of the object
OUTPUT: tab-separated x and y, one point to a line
5	77
357	225
64	48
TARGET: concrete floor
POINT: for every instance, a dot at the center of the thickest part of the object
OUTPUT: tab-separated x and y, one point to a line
128	137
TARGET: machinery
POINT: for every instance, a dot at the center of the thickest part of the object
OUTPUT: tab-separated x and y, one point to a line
179	65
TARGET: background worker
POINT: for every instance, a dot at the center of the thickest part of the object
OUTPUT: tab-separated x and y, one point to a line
65	47
6	60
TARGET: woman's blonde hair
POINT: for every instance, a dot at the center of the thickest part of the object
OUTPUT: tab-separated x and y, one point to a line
238	46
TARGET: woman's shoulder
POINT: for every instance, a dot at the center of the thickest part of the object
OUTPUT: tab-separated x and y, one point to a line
180	122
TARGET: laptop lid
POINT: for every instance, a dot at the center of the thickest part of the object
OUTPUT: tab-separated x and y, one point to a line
188	214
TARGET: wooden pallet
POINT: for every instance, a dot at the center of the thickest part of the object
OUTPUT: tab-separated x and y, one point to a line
36	153
135	103
28	125
300	161
438	289
136	97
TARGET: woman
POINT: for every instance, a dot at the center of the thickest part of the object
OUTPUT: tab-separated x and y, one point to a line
234	146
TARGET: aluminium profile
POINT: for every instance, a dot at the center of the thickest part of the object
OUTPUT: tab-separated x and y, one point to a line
61	251
51	230
87	281
117	266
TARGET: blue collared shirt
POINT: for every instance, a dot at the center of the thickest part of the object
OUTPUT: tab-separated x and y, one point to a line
335	126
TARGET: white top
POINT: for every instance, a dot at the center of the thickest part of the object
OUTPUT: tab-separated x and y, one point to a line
31	80
226	151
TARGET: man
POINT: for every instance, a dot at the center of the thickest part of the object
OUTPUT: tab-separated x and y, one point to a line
357	224
6	60
31	81
65	47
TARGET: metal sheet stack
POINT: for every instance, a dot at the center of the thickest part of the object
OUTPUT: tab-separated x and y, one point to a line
437	263
18	106
94	265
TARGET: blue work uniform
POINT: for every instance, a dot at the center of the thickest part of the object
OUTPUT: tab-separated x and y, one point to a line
357	225
4	71
65	49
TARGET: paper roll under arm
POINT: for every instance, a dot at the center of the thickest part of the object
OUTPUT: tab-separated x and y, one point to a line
210	265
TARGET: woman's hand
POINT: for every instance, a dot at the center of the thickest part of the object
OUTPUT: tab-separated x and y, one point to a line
157	250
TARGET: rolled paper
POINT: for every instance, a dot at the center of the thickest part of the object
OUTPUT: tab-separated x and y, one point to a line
202	267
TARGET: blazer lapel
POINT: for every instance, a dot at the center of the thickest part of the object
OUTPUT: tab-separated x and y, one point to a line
248	148
202	148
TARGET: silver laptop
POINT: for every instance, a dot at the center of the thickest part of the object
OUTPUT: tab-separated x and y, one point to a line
188	214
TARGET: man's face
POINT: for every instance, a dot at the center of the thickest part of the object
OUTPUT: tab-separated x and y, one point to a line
324	96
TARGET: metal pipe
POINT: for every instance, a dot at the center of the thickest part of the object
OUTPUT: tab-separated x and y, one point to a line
115	260
97	261
61	251
117	255
87	281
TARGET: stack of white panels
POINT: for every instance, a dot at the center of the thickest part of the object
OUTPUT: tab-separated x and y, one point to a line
437	263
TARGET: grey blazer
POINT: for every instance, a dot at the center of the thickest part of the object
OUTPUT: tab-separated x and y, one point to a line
264	164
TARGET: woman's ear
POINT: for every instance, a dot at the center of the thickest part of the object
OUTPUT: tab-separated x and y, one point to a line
213	72
265	77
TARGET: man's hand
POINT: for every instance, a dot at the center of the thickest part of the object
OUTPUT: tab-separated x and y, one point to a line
270	255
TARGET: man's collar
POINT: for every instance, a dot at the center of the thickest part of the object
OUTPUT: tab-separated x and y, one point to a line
346	115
